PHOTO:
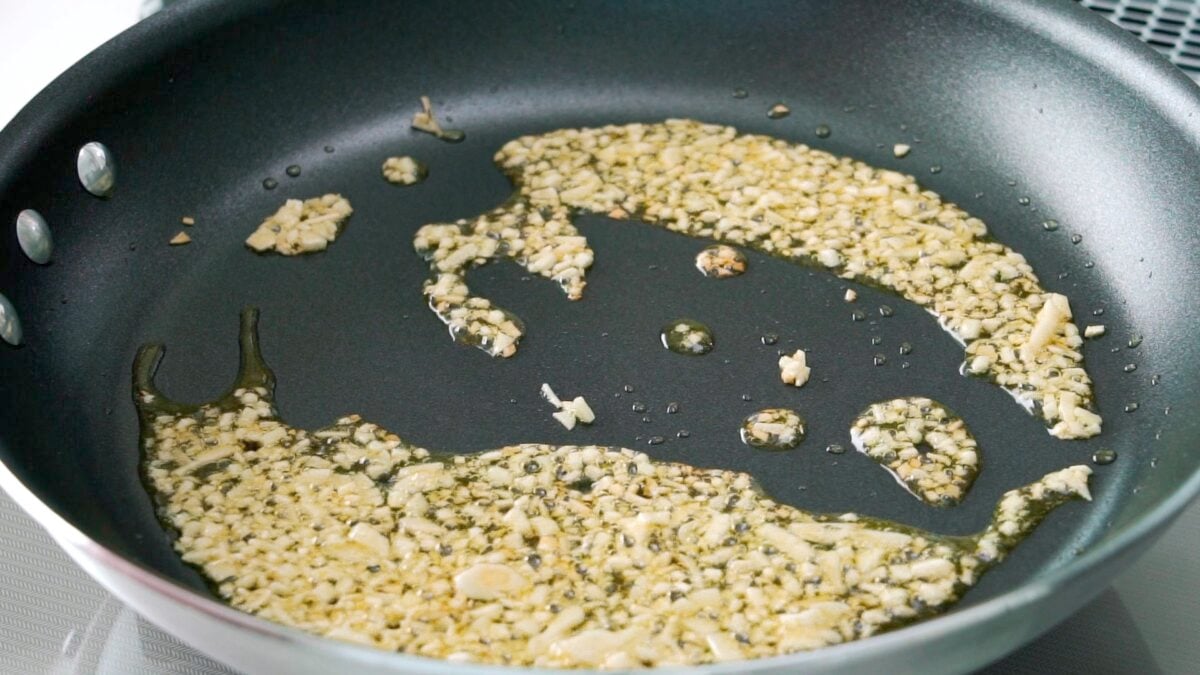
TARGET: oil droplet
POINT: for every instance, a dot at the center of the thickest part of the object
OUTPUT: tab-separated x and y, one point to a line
628	388
1130	367
773	429
823	131
1131	407
10	323
1011	182
656	440
778	111
1023	201
293	170
96	169
1104	456
688	337
740	93
835	449
905	348
682	433
1154	379
905	365
1098	311
879	359
1154	460
747	397
720	261
876	340
270	183
1076	238
33	235
886	311
638	407
1050	225
936	168
769	339
1089	265
672	408
858	315
1134	342
329	149
646	419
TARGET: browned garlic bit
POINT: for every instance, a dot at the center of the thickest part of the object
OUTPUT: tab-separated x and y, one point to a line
301	226
891	432
851	295
794	369
720	262
788	200
188	220
404	170
1093	331
901	150
533	555
180	239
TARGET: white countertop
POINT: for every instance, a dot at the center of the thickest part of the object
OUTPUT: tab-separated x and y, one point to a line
55	619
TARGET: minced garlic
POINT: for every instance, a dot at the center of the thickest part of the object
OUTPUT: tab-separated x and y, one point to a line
892	433
404	170
569	412
707	181
534	555
301	226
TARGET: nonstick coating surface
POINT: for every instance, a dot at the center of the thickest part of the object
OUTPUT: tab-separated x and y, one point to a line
198	118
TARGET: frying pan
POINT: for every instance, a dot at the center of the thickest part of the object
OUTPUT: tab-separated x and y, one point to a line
1020	111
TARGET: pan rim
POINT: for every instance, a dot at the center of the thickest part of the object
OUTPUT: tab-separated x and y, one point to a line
1064	25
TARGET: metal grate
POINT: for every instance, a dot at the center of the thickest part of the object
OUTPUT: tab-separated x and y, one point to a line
1170	26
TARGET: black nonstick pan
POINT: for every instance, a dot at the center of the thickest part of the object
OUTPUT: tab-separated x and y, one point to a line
1021	112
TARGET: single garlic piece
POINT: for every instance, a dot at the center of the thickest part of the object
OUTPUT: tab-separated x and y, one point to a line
488	581
794	369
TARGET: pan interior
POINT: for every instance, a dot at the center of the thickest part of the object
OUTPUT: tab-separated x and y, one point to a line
1002	116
